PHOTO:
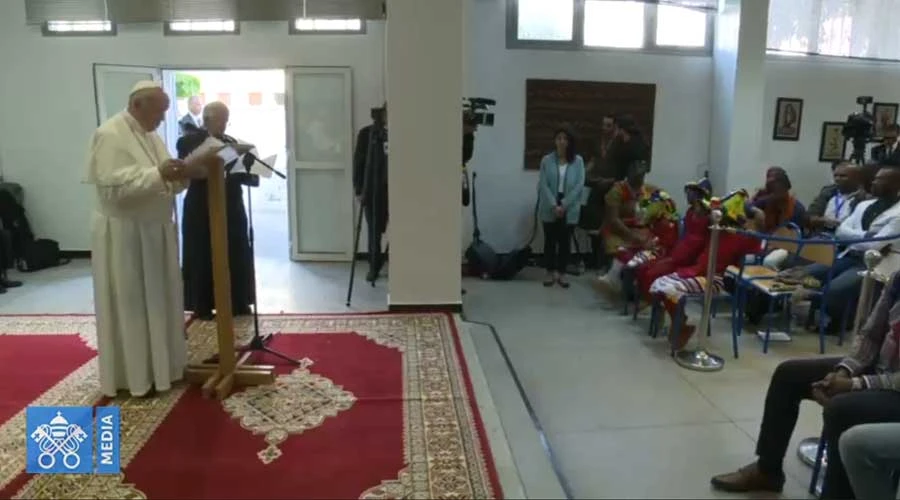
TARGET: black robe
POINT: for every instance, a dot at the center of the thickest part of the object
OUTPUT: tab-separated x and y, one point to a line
196	258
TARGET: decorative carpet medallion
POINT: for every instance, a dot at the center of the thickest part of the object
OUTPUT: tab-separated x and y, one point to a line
294	404
394	489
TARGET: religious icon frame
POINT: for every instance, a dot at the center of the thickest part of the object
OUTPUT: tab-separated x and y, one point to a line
829	130
876	107
781	105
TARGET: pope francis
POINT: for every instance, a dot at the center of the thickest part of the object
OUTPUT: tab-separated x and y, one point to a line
134	247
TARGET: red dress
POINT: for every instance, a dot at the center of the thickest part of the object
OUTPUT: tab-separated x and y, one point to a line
683	252
732	248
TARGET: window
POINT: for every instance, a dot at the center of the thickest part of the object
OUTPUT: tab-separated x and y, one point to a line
540	20
333	26
202	27
610	24
838	28
614	24
680	27
79	28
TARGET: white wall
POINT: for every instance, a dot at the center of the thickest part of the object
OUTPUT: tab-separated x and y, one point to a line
48	109
829	88
506	192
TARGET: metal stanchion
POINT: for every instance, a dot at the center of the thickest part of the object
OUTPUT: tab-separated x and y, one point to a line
806	450
700	359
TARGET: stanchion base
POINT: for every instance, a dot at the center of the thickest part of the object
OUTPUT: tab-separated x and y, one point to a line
807	449
699	360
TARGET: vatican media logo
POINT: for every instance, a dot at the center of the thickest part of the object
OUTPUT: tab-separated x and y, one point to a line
69	440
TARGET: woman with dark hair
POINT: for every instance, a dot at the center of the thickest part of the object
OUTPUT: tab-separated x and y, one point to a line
560	186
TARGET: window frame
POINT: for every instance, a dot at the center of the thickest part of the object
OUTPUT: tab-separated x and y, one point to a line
577	43
293	30
46	31
168	31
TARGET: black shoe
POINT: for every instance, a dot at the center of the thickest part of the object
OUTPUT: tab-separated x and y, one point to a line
5	283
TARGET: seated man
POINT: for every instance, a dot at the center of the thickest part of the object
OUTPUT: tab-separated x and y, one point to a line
836	201
691	279
861	388
623	230
874	218
871	455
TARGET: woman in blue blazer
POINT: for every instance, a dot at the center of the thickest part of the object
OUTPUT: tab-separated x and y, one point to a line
560	187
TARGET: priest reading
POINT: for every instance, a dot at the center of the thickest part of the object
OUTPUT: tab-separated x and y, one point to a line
197	254
134	247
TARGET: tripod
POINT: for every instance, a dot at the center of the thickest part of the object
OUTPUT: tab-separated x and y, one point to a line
258	343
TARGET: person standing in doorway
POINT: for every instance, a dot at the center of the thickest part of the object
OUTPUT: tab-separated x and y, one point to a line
197	251
193	120
370	184
561	185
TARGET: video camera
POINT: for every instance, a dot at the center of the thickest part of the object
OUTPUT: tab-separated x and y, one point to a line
860	128
475	111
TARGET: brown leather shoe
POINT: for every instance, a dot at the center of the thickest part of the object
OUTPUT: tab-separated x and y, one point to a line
748	479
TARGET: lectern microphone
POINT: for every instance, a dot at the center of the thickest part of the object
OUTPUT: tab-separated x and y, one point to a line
249	159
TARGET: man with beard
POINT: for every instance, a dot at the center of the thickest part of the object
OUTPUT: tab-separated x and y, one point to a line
628	146
599	178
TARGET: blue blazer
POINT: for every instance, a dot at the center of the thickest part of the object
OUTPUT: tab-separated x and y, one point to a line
548	187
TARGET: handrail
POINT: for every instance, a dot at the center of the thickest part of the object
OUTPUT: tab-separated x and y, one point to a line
819	241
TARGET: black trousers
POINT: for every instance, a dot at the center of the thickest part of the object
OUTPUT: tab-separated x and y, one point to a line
557	245
791	383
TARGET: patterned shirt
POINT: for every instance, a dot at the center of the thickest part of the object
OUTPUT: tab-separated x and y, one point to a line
876	356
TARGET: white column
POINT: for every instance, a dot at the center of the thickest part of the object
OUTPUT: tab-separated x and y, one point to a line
424	95
739	59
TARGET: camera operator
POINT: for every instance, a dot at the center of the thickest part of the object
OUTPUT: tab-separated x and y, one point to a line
371	186
888	149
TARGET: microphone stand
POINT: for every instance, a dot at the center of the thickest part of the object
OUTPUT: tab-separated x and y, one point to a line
258	343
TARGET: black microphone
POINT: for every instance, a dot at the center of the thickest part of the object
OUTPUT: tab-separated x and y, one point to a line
249	159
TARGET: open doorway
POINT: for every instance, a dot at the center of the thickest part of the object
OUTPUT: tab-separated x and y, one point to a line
256	100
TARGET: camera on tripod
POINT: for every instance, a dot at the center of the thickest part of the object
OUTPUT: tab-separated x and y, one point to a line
860	128
475	112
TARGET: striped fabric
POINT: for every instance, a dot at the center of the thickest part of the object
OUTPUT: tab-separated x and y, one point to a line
674	287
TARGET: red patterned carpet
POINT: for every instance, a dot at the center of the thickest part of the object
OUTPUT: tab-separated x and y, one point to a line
380	407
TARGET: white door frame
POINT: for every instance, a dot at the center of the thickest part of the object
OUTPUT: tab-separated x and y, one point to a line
346	164
102	113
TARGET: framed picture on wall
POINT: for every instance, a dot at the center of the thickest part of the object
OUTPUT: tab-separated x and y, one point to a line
832	146
788	115
885	114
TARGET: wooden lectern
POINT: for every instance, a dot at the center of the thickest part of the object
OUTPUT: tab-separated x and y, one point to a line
221	376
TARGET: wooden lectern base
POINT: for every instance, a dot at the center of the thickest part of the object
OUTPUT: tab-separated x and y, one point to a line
213	380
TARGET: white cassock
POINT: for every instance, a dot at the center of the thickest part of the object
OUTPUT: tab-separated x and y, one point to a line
138	294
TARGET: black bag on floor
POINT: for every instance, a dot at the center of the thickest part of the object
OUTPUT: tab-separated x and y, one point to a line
41	254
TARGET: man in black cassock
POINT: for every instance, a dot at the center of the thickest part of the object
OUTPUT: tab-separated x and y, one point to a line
370	185
196	253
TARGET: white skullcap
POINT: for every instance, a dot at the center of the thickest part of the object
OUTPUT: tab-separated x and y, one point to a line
144	85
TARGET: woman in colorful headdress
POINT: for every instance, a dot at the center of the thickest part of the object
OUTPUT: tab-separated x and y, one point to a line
691	279
624	230
692	242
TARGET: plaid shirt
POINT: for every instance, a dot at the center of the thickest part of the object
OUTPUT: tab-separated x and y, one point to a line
876	357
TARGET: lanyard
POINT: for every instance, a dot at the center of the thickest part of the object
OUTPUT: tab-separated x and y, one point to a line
838	205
